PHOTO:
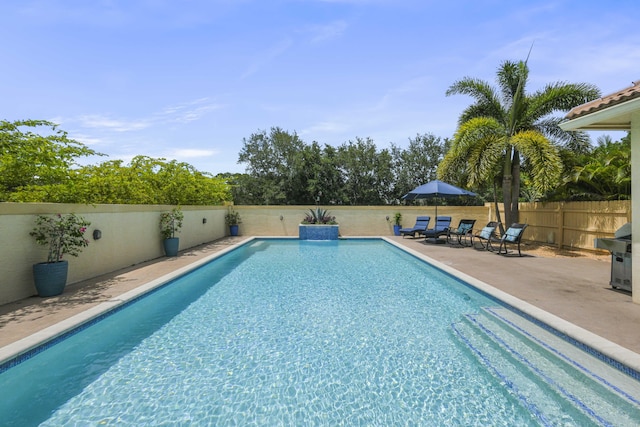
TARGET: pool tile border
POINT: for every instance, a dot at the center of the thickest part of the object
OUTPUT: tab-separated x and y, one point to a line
606	351
26	348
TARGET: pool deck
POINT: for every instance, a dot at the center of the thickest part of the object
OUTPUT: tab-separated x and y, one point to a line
574	289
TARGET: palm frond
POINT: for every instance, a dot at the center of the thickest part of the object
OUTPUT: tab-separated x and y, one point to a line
478	146
512	78
546	165
487	99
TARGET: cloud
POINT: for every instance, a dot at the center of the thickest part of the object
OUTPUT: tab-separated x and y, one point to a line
325	127
86	139
362	2
189	111
405	90
329	31
193	152
265	57
96	121
181	113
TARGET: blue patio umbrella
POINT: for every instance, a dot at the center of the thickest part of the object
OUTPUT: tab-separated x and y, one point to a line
436	189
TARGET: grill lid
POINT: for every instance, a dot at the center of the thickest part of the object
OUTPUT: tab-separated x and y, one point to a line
613	245
623	232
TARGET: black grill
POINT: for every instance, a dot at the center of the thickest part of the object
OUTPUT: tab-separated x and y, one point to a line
620	248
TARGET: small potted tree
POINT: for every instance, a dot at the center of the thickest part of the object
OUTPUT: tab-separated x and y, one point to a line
397	223
64	235
232	219
170	224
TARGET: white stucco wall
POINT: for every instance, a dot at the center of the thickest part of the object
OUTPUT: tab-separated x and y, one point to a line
635	206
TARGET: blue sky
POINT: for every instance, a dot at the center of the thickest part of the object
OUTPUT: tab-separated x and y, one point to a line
189	80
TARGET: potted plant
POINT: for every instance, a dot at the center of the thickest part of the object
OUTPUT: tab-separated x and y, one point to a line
397	223
319	216
63	234
170	224
232	219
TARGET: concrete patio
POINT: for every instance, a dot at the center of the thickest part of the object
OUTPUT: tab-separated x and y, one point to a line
575	289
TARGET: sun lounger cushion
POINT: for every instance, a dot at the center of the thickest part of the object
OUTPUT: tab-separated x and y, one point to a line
422	222
512	234
464	228
486	232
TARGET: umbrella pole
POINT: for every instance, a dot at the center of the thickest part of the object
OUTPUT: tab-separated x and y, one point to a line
434	239
436	203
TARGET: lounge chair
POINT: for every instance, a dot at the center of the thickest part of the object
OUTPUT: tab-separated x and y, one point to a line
513	235
486	236
422	222
464	231
440	229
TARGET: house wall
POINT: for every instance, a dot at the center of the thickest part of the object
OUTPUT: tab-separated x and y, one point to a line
635	197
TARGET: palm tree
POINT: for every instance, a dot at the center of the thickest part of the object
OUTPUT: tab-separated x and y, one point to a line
606	172
506	129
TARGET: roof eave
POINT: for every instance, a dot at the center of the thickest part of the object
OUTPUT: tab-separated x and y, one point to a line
604	119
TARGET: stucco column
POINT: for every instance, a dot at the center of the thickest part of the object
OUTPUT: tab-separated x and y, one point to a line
635	205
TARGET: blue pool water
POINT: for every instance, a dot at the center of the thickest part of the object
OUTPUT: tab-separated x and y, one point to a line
282	332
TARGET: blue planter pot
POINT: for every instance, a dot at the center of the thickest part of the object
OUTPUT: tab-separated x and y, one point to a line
396	230
233	230
50	278
171	246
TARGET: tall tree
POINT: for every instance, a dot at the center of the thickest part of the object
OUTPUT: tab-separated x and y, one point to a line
507	129
365	172
273	164
324	183
147	180
37	160
604	173
417	164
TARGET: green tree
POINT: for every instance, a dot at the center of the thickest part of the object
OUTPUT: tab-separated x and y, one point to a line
367	174
319	175
507	129
604	172
239	186
37	161
113	182
147	180
179	183
273	164
325	183
417	164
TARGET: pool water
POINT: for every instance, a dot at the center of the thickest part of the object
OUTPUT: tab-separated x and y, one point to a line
283	332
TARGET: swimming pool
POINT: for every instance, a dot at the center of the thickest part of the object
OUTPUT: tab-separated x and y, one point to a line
282	332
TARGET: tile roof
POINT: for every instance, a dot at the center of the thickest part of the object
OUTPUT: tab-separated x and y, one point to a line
606	101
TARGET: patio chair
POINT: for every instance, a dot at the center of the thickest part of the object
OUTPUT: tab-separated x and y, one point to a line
440	229
486	236
513	235
422	222
463	232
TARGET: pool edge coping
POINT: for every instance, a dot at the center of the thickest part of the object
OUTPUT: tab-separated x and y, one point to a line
598	343
42	337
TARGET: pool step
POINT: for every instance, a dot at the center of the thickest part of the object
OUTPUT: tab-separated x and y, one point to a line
553	379
599	371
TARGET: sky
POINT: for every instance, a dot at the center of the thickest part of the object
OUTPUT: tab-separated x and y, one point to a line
191	80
